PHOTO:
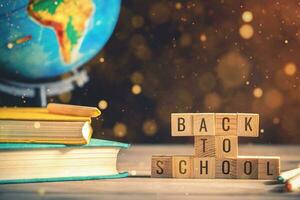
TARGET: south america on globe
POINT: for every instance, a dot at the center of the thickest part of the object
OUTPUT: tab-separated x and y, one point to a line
46	38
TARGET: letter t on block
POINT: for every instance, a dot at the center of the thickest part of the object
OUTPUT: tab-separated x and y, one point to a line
182	124
248	125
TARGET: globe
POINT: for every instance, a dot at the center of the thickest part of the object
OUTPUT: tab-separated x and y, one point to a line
42	39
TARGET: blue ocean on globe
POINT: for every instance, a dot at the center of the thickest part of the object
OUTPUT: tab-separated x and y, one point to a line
43	39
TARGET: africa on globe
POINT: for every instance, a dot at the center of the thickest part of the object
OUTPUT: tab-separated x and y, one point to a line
42	39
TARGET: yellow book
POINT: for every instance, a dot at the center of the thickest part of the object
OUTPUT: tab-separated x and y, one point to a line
36	125
36	114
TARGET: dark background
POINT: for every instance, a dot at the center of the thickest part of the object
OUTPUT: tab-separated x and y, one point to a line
194	56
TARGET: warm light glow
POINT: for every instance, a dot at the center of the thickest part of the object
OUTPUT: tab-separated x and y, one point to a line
290	69
101	60
10	45
273	99
203	37
37	125
136	89
65	97
120	130
257	92
276	120
178	6
150	127
137	78
247	16
137	21
246	31
102	104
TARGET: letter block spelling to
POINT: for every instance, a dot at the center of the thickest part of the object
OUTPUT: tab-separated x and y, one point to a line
204	124
204	167
161	167
247	167
182	166
226	168
182	124
226	124
226	146
268	167
205	146
248	125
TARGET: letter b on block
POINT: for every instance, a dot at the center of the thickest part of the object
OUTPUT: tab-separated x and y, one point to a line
181	124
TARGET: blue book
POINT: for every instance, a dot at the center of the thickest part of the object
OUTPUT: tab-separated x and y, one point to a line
29	163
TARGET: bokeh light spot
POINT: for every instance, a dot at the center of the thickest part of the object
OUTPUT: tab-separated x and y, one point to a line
120	129
103	104
290	69
247	16
257	92
150	127
246	31
273	99
136	89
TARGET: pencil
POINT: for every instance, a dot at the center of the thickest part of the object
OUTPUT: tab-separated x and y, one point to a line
284	176
65	109
293	184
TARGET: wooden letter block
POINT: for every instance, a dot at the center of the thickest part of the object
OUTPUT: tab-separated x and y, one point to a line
182	124
182	166
248	125
226	146
226	124
268	167
204	167
161	167
204	124
205	146
247	167
226	168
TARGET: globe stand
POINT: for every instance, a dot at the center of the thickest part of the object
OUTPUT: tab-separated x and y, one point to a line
41	91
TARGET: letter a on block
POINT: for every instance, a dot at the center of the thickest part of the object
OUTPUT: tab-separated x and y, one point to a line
248	125
161	167
204	167
204	124
268	167
181	124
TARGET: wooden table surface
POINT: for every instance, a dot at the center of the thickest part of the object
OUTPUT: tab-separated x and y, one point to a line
136	160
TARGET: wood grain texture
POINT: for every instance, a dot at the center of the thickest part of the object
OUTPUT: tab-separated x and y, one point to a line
226	124
204	124
181	124
248	125
268	167
182	166
161	167
226	146
205	146
247	167
226	168
204	167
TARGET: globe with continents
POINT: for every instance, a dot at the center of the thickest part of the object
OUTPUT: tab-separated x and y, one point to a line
42	39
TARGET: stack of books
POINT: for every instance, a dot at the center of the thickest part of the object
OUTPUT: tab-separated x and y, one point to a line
54	144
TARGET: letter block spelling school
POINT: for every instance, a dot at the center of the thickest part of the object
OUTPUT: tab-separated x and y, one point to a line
215	149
